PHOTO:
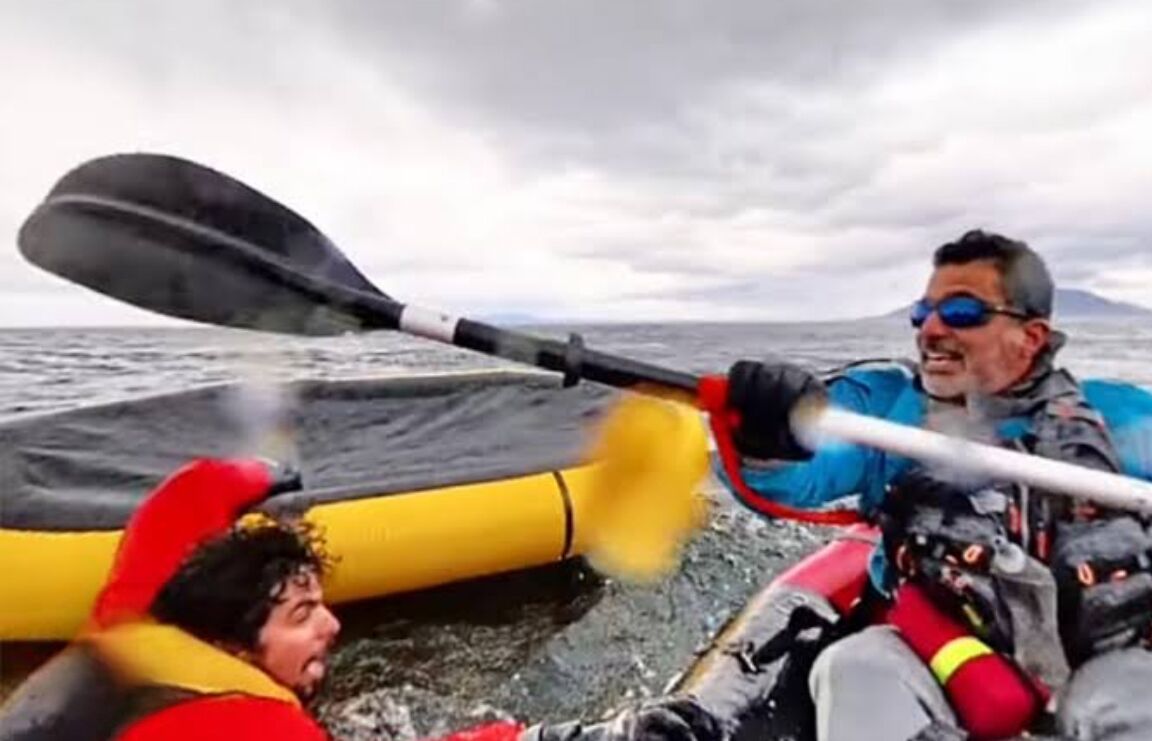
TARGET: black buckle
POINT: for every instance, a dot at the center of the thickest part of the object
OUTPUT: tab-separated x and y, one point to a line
744	654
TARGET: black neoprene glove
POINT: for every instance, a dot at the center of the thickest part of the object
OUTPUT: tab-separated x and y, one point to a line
765	394
666	719
676	718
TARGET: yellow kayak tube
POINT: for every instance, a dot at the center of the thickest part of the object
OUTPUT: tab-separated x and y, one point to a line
415	481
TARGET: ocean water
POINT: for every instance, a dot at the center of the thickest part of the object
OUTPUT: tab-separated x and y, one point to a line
44	369
551	644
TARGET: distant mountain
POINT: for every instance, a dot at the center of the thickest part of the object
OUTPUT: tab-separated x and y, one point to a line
1073	303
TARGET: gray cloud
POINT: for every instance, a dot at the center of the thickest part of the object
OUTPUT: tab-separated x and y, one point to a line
653	156
587	65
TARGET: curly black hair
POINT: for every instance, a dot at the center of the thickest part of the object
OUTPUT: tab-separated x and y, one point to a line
226	588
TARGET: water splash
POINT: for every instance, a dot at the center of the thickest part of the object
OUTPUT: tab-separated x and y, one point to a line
263	412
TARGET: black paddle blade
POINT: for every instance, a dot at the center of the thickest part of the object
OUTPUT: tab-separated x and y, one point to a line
177	238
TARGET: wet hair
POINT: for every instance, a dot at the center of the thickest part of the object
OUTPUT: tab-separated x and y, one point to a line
225	590
1027	283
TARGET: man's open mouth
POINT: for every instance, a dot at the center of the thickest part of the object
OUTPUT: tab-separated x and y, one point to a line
316	668
940	360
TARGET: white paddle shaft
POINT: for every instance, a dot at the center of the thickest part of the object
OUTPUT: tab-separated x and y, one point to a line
1109	489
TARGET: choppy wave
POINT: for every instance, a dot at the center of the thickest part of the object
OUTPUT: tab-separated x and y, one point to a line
56	368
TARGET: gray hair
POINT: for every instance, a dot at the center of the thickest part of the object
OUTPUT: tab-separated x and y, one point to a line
1027	283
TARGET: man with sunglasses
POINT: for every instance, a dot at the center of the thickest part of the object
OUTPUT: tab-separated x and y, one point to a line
986	370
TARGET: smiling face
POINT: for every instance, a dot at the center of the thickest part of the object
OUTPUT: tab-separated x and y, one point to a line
293	643
987	359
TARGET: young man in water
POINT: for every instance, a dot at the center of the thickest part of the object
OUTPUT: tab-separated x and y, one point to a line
204	629
209	628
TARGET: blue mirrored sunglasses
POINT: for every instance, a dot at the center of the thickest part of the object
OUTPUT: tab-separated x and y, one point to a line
960	312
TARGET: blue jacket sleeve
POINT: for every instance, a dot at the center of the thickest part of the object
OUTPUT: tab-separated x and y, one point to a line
1127	411
837	470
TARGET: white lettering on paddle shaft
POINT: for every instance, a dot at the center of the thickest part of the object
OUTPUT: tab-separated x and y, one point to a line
434	325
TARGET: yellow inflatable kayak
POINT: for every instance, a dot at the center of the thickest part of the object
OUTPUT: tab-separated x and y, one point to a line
417	481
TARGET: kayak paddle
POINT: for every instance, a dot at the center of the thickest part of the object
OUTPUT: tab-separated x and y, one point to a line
184	240
181	239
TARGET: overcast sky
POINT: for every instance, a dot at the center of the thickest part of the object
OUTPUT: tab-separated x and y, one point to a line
610	159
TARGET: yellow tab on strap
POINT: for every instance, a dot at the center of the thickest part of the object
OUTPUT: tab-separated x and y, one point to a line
954	654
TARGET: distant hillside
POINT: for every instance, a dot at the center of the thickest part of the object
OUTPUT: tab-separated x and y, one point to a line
1073	303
